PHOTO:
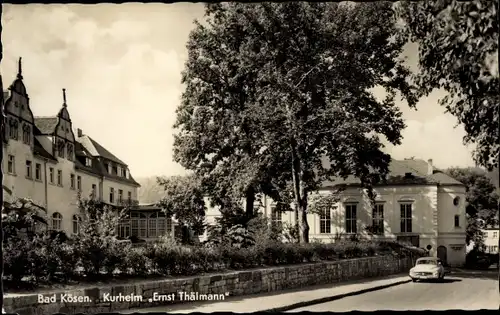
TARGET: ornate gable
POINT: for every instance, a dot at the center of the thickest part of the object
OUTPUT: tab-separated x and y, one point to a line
17	103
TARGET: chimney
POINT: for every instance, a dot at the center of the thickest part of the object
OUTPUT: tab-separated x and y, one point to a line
79	132
430	168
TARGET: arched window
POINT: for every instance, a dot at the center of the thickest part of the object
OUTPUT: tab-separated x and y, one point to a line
26	133
13	129
76	224
70	151
57	221
60	148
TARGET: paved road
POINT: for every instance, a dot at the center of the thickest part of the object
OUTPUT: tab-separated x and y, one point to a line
461	290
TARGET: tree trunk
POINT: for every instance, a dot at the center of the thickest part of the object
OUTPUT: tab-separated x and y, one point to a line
296	225
250	201
300	197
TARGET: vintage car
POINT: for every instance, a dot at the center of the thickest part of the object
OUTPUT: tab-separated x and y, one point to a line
427	268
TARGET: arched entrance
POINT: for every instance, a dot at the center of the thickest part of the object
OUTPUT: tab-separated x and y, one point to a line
442	254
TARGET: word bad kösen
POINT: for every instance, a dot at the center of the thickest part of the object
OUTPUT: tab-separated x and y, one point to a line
107	297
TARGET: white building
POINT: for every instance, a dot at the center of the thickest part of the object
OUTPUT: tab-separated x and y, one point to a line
419	204
45	161
491	238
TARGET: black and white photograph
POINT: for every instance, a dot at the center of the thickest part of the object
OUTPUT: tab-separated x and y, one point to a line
250	157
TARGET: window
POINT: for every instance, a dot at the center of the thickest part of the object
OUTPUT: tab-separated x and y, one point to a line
139	223
111	195
124	172
378	219
70	151
325	221
29	169
13	129
143	224
276	217
120	195
351	222
88	162
124	228
76	224
79	183
11	165
106	166
457	221
51	175
129	196
169	226
59	177
495	249
94	191
152	225
60	149
115	170
57	221
26	134
406	217
38	171
161	224
72	181
495	234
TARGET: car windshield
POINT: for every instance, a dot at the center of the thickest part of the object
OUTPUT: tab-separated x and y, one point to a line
427	262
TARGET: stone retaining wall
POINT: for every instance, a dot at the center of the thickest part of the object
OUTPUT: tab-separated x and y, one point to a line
215	286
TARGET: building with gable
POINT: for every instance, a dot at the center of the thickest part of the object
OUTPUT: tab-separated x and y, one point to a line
45	161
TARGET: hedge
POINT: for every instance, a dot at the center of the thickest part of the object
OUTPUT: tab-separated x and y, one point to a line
48	260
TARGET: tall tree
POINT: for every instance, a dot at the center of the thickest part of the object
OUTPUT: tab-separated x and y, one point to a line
482	199
458	52
306	70
317	63
218	136
184	200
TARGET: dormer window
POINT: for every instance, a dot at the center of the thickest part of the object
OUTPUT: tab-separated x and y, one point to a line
124	172
70	151
115	170
26	134
107	167
88	162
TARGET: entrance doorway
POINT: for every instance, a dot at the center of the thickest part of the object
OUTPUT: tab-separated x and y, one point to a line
442	254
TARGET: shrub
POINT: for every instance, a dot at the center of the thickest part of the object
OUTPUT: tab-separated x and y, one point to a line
207	259
17	258
306	252
53	257
136	262
115	255
161	258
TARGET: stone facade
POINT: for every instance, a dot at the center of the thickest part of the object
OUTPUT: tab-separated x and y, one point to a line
219	286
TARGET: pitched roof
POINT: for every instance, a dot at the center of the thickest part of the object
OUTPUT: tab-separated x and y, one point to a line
39	150
95	149
97	166
46	125
397	175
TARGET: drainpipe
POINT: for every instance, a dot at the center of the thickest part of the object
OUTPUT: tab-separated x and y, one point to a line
46	186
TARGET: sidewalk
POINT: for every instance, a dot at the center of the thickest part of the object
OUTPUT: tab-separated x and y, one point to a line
282	300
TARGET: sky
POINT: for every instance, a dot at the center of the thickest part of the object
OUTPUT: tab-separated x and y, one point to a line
121	68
